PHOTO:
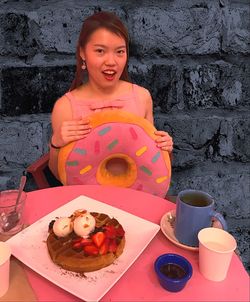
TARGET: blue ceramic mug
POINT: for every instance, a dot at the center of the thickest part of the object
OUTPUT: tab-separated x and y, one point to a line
194	212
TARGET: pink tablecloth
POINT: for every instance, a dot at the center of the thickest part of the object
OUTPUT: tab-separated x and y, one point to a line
139	283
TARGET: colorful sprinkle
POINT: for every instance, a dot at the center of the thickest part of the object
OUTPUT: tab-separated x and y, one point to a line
156	157
113	144
97	147
141	151
72	163
133	133
161	179
104	131
146	170
80	151
86	169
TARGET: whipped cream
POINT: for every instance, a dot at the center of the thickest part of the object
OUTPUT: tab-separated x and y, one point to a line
84	224
62	227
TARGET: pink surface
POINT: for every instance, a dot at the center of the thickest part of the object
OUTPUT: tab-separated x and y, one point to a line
139	282
5	253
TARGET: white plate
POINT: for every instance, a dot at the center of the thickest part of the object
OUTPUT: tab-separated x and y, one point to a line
29	246
168	231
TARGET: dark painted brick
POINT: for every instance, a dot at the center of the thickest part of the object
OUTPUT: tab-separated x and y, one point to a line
217	86
34	89
17	37
160	80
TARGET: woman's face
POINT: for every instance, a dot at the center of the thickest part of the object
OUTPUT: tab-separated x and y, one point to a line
105	55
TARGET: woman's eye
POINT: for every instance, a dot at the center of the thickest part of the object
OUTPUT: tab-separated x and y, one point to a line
99	50
121	52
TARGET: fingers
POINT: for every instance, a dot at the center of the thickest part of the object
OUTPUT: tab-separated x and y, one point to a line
164	141
74	130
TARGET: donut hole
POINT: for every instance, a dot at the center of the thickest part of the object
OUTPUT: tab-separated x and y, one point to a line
118	170
117	166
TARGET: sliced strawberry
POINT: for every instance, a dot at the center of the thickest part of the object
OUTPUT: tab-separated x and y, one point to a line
78	239
110	231
120	231
98	238
104	248
77	245
80	242
86	241
112	246
91	250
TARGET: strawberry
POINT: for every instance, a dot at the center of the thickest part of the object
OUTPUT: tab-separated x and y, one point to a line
98	238
86	241
78	239
120	231
80	242
91	250
77	245
112	246
104	248
110	231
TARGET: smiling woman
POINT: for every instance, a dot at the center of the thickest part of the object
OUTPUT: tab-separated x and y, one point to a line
101	83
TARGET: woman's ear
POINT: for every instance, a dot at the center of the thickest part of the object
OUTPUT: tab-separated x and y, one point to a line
82	54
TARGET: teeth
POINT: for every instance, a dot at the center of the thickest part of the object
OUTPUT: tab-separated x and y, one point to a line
109	72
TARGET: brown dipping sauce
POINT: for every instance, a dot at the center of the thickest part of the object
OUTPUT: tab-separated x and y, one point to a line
173	271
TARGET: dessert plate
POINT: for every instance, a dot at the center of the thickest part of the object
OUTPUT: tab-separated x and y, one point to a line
167	222
88	286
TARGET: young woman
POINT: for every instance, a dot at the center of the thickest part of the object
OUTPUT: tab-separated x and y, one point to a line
101	83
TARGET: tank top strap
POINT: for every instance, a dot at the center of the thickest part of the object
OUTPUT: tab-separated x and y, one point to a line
135	91
76	110
69	96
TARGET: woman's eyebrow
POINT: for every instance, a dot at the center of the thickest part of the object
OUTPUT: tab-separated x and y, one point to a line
105	46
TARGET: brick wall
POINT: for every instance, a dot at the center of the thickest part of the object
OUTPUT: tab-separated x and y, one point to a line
193	56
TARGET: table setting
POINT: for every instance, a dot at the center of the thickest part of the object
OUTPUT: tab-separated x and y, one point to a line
146	265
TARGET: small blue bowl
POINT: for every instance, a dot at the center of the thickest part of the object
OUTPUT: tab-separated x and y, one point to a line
173	271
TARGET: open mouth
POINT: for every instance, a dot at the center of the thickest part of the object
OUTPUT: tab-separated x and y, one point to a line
109	74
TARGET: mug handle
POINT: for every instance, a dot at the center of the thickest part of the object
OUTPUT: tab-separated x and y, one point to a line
221	219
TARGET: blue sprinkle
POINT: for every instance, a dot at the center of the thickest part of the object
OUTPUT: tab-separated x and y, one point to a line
80	151
104	131
113	144
72	163
156	157
146	170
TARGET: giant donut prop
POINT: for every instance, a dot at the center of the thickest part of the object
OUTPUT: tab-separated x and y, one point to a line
121	137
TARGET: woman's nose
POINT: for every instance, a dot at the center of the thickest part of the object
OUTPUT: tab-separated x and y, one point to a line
110	59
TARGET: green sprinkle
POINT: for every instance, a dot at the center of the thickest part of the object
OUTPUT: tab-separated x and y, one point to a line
104	131
72	163
146	170
156	157
80	151
113	144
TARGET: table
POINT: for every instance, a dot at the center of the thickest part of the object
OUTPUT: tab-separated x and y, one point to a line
139	283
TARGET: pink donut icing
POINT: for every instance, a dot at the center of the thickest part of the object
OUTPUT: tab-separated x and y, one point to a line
152	173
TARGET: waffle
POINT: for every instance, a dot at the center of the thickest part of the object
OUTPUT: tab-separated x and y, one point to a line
63	254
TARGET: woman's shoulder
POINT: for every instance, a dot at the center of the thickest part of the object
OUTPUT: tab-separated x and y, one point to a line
62	104
142	91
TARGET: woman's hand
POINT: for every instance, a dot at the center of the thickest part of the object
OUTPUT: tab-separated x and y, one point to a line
164	141
71	131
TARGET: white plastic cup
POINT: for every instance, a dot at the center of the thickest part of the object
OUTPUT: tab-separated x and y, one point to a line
216	248
5	253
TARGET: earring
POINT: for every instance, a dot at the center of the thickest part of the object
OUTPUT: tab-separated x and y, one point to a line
84	65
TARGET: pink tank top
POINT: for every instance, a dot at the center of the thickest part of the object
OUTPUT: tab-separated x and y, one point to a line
128	102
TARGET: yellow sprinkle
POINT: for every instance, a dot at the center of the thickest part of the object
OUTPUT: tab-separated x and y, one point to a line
141	151
86	169
161	179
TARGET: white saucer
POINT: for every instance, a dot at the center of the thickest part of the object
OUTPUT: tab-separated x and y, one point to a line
168	231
